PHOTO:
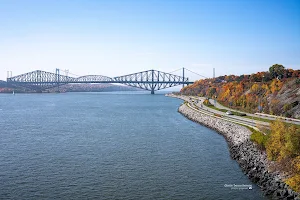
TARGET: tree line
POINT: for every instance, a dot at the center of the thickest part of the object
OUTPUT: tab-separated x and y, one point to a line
252	93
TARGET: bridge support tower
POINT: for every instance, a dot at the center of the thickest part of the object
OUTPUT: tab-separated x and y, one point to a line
183	76
152	84
57	79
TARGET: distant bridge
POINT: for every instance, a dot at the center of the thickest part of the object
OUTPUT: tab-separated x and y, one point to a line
151	80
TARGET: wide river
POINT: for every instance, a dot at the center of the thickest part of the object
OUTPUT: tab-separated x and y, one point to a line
129	145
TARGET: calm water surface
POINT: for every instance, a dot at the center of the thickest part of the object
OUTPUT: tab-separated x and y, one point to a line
111	146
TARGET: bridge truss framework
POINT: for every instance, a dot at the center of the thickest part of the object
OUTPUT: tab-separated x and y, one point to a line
151	80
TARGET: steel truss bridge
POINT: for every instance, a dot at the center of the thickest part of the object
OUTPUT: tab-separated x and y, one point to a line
151	80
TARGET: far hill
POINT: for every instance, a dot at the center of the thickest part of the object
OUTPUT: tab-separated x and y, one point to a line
102	87
2	83
274	92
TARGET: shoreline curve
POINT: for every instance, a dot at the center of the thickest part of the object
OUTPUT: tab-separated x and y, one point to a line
253	162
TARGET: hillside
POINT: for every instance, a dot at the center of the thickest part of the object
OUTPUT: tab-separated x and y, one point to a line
2	83
276	91
75	88
94	88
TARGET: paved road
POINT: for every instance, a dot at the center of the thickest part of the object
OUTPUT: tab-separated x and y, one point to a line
199	104
218	105
224	117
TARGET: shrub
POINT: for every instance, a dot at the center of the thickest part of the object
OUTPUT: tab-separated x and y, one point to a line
207	103
292	143
239	114
259	138
287	107
283	146
294	182
276	142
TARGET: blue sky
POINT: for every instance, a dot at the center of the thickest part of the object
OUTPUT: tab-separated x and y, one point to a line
118	37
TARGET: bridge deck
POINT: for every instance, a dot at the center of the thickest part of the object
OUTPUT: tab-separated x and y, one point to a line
148	80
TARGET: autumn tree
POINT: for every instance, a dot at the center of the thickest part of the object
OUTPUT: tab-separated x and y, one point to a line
276	70
255	88
294	180
211	91
276	141
283	146
255	78
284	141
292	145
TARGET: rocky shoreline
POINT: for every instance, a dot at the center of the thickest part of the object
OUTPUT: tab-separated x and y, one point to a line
252	161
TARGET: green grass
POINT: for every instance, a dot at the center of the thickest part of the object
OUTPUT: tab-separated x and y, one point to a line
225	110
213	107
259	138
238	114
259	119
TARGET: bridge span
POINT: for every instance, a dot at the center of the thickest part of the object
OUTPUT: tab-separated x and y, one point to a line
151	80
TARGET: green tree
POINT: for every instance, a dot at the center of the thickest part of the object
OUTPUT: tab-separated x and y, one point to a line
276	70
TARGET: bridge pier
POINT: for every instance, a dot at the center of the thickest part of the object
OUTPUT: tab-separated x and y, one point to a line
152	91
